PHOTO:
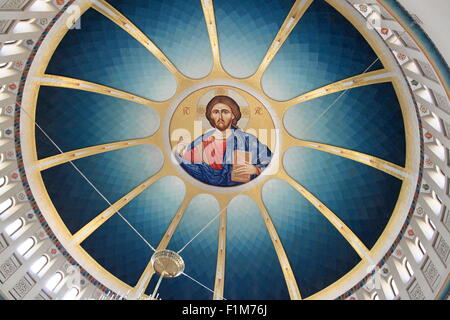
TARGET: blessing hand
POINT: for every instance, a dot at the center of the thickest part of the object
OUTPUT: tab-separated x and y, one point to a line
180	147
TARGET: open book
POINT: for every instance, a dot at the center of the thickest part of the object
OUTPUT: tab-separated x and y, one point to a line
240	157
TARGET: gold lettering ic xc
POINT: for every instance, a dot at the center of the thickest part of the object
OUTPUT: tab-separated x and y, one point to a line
258	111
186	111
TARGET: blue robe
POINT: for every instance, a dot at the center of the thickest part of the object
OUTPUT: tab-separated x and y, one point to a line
238	140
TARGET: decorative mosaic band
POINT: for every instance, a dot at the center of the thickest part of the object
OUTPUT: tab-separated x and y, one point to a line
17	137
413	204
408	218
72	261
425	40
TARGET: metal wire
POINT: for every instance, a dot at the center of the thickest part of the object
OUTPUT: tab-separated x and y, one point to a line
88	180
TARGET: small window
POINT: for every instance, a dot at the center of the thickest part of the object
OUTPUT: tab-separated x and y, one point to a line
404	273
439	149
393	287
437	197
435	204
375	296
409	268
2	181
439	177
421	247
39	265
5	205
26	246
416	250
431	224
72	294
14	227
54	281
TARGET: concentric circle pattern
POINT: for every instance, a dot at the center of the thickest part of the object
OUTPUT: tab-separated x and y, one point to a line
340	157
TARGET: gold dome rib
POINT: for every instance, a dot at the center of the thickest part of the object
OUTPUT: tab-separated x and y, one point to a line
289	276
146	277
191	193
219	284
210	20
340	226
295	14
374	162
77	84
298	9
363	79
65	157
118	18
95	223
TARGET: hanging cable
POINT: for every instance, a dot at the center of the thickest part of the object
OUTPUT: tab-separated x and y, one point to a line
88	180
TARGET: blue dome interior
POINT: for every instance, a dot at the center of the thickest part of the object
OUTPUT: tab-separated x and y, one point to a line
323	48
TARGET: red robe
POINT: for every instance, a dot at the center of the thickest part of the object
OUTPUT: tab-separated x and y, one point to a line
211	149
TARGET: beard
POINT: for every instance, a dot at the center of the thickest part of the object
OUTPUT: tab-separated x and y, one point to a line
222	125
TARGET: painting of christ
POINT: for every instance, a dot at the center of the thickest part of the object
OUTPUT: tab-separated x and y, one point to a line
224	156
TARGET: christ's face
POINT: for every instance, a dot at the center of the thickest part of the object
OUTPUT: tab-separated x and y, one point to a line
222	116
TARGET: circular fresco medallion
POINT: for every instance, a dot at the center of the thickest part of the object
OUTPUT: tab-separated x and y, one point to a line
222	136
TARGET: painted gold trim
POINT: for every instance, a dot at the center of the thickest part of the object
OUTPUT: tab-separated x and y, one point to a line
146	277
295	14
221	248
285	265
65	157
374	162
95	223
363	79
211	26
61	231
118	18
340	226
77	84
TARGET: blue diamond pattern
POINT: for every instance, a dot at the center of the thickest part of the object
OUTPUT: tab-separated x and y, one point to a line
246	29
76	119
249	251
200	256
152	211
101	52
323	48
318	254
177	27
118	249
361	196
114	174
45	148
365	119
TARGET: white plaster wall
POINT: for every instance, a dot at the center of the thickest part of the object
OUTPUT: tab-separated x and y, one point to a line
435	15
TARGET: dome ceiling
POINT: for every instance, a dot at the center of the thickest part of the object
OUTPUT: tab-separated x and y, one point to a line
343	154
